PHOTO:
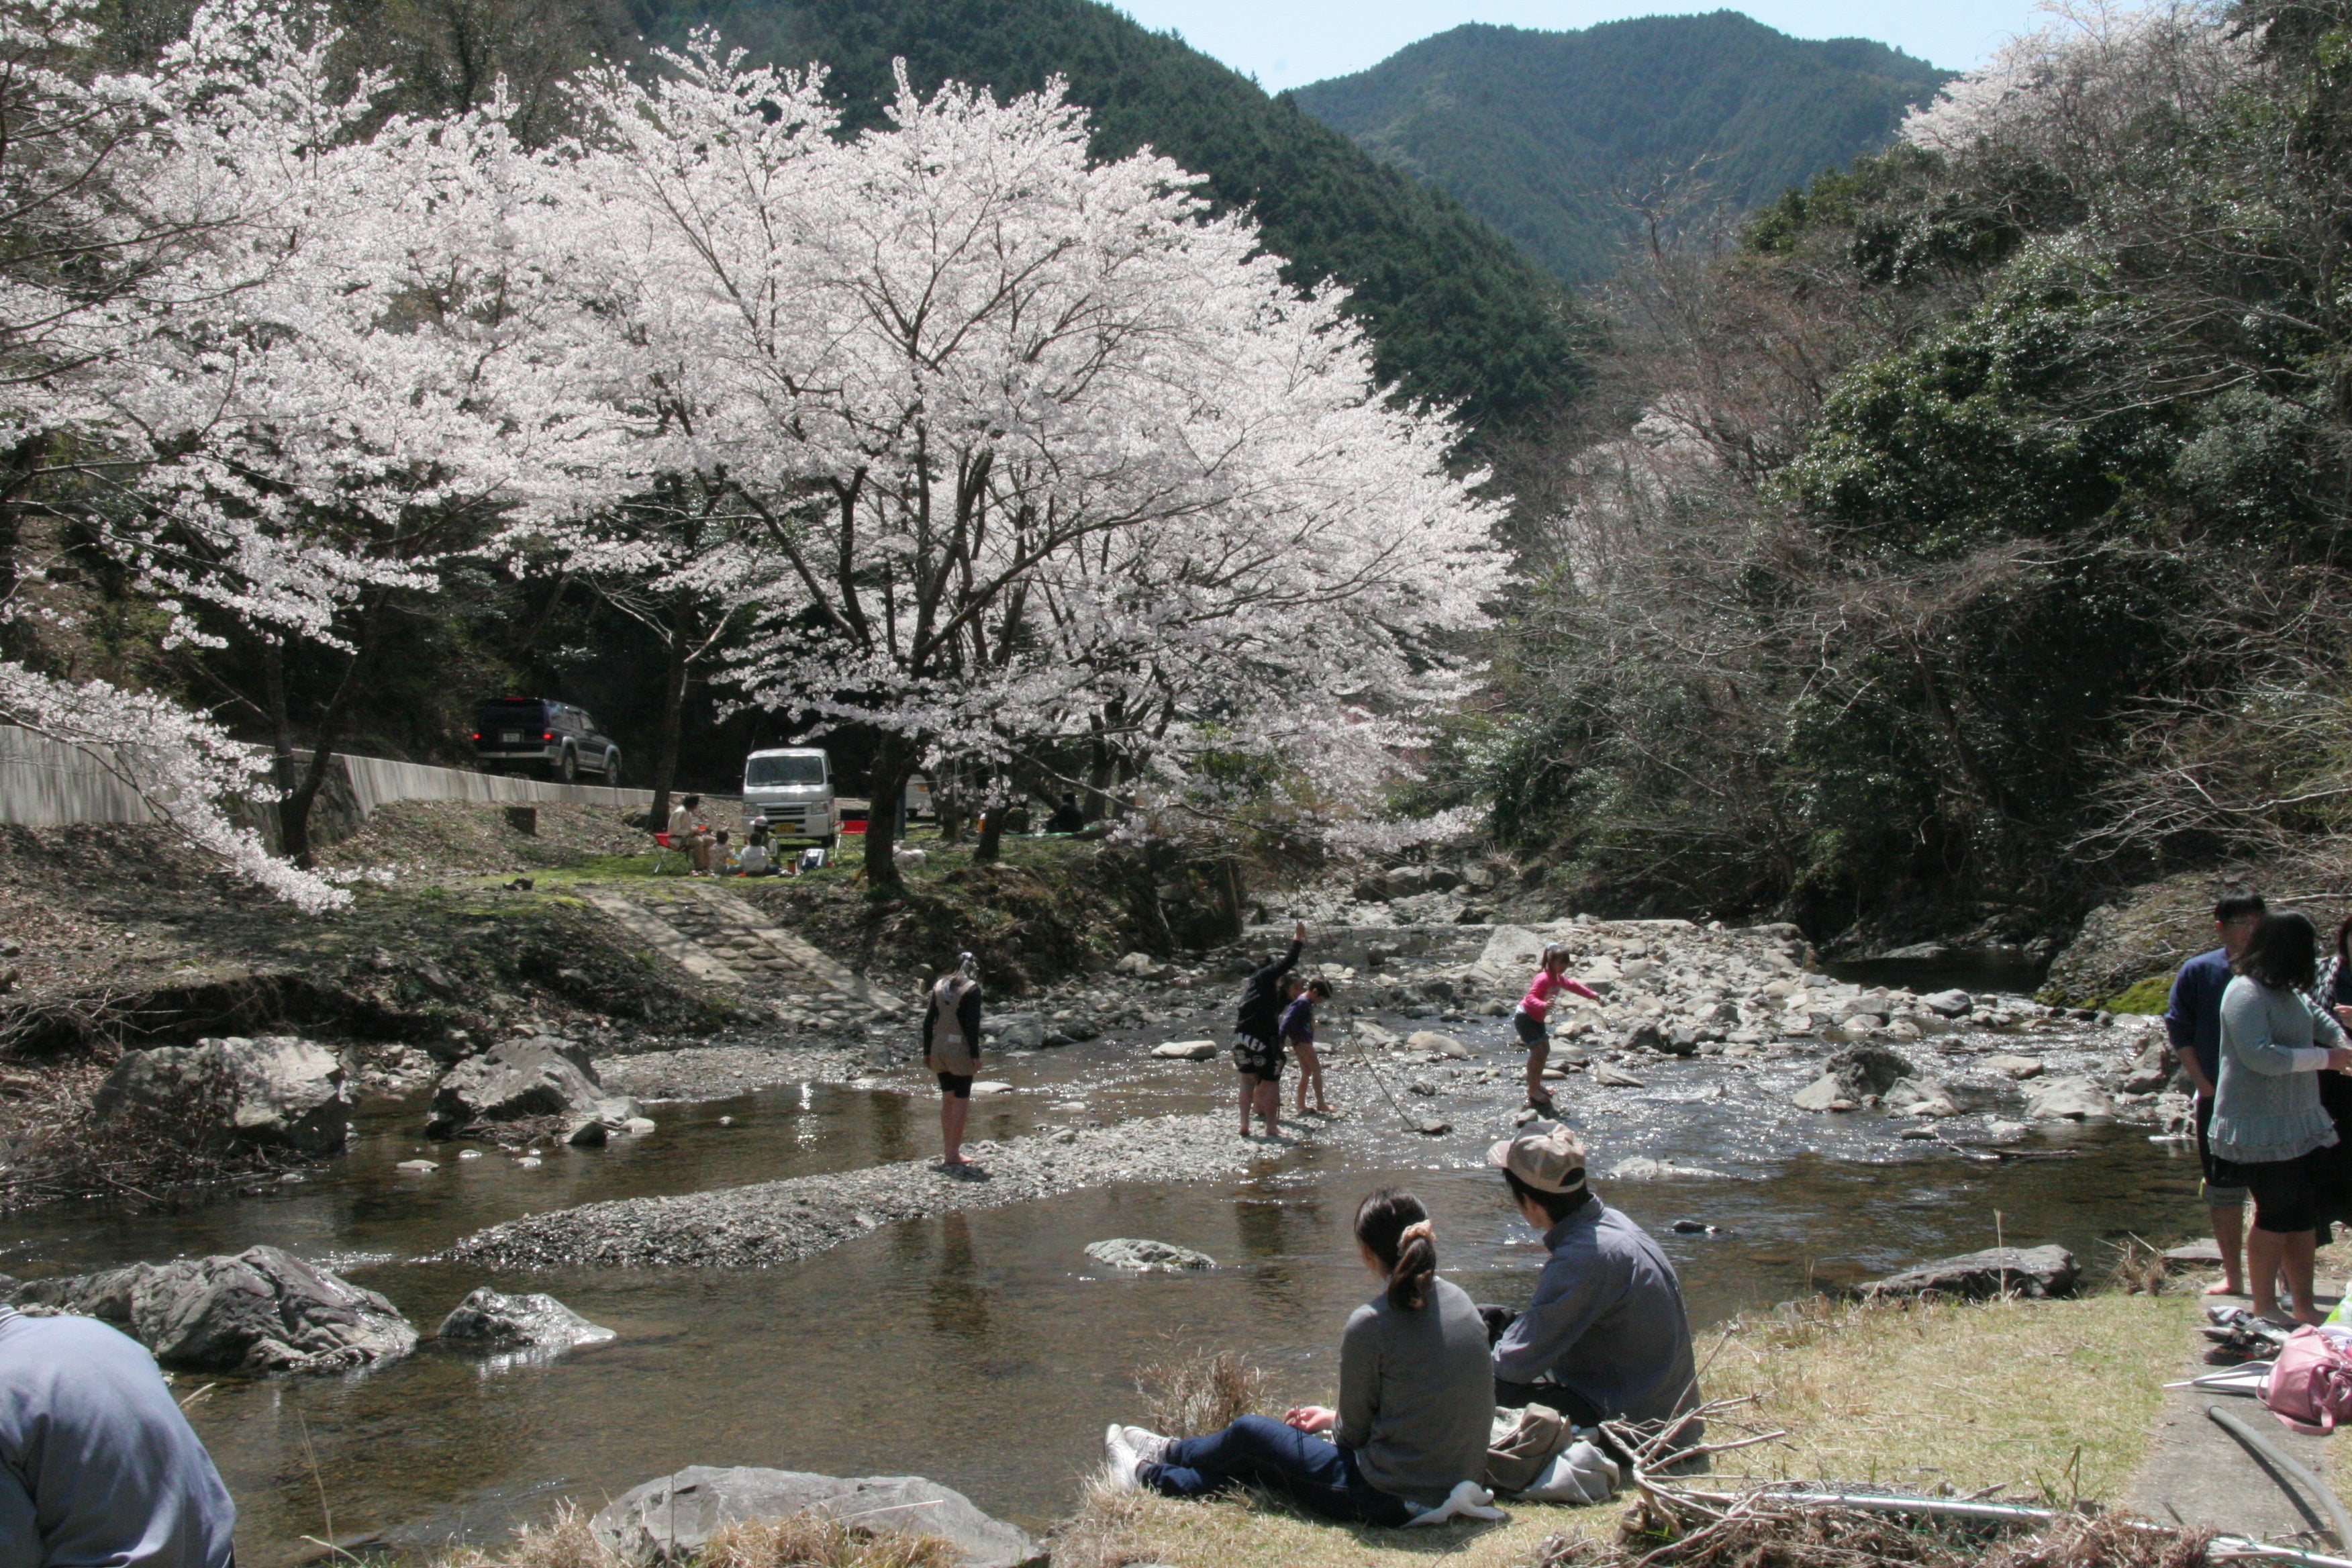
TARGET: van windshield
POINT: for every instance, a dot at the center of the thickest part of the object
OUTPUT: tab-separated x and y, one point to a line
807	769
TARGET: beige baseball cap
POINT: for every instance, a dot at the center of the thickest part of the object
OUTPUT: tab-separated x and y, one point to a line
1546	1155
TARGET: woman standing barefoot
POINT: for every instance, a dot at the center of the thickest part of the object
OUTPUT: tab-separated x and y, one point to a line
951	1050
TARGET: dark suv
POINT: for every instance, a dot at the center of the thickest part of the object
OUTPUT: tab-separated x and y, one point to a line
534	735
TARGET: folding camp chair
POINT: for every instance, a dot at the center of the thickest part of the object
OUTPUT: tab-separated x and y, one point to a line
664	849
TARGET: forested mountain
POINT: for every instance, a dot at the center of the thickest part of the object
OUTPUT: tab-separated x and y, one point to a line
1977	528
1550	137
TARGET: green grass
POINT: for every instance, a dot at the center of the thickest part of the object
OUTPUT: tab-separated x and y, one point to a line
2152	994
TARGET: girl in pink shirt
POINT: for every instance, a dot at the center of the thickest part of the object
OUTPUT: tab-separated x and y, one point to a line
1550	980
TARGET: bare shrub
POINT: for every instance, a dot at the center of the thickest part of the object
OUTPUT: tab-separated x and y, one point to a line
55	1144
1194	1394
564	1542
815	1541
1755	1531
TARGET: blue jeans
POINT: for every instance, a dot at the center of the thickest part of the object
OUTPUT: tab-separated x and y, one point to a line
1313	1472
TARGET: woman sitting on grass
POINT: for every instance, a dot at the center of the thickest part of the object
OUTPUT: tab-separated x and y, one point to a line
1416	1403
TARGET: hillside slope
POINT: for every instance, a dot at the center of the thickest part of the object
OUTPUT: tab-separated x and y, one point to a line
1456	313
1539	132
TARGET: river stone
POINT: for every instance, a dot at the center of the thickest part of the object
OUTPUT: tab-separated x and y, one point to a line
1648	1170
542	1075
991	1086
678	1513
276	1092
1141	965
1644	1035
2068	1099
1186	1050
1608	1077
1443	1045
1017	1032
1912	1098
1950	1004
1512	948
2016	1067
260	1310
489	1317
2024	1271
1139	1256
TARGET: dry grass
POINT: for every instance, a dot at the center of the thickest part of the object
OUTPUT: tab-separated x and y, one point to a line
1113	1530
1192	1396
1757	1533
2046	1400
798	1541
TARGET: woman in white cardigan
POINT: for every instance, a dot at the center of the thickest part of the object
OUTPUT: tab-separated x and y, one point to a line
2268	1123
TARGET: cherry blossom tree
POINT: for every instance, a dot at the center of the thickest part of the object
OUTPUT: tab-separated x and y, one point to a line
1041	449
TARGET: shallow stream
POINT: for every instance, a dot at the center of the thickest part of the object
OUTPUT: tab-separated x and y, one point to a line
986	1349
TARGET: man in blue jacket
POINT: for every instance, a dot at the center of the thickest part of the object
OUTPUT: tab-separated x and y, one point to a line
2193	1022
97	1466
1606	1338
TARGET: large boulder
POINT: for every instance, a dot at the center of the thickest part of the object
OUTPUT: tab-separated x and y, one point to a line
1997	1270
1441	1044
258	1310
521	1079
1859	1069
1016	1032
537	1321
674	1517
276	1092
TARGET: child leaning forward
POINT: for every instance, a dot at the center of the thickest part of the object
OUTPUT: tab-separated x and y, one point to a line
1529	1018
1299	1033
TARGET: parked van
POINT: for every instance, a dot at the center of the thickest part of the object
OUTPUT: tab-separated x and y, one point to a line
792	789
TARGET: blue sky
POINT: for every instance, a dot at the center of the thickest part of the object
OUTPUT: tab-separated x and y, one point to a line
1288	43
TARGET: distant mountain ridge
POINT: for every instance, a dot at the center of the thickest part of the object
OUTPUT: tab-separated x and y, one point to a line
1456	313
1537	131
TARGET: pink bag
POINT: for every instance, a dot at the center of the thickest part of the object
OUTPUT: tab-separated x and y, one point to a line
2310	1385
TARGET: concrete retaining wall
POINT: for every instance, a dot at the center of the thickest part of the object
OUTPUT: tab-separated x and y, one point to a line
46	784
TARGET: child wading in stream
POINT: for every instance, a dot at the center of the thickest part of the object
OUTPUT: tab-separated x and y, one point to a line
1299	1033
951	1050
1529	1019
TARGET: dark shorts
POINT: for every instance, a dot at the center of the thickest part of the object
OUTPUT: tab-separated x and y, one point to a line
957	1084
2218	1193
1259	1058
2286	1192
1531	1031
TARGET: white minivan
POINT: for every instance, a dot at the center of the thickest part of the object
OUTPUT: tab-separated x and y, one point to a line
792	789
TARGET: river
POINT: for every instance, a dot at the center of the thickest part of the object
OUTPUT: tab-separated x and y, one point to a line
985	1349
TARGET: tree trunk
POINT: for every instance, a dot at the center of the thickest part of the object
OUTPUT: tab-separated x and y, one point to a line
893	761
294	809
666	743
991	836
283	771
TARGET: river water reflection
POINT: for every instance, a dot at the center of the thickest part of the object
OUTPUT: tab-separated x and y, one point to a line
985	1349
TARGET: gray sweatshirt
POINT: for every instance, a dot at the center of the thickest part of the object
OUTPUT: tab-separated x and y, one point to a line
1416	1394
1607	1321
97	1466
2266	1101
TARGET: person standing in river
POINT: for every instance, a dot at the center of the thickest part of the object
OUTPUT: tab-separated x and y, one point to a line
2268	1129
1258	1036
2193	1021
1529	1020
951	1050
1298	1037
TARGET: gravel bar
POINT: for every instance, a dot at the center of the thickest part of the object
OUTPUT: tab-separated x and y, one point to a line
779	1222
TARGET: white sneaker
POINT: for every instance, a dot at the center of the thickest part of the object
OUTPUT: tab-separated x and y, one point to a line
1149	1447
1119	1460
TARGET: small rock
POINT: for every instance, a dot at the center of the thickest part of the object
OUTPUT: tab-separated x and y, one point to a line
492	1317
1421	1086
588	1133
1443	1045
469	1154
2068	1099
2016	1067
637	1126
673	1517
1186	1050
1950	1004
991	1086
1141	964
1609	1077
530	1162
418	1167
1695	1227
1648	1170
1139	1256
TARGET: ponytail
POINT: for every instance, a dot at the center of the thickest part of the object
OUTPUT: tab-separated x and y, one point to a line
1395	1227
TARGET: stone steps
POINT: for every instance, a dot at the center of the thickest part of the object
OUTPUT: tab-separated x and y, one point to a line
719	938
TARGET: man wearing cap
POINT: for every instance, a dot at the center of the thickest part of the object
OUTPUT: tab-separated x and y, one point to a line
97	1466
1606	1337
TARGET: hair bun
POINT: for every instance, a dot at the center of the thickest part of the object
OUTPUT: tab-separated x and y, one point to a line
1420	1230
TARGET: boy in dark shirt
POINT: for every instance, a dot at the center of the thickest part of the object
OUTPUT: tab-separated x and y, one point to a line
1258	1036
2192	1020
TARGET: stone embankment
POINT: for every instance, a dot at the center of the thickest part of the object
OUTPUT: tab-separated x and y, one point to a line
778	1222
